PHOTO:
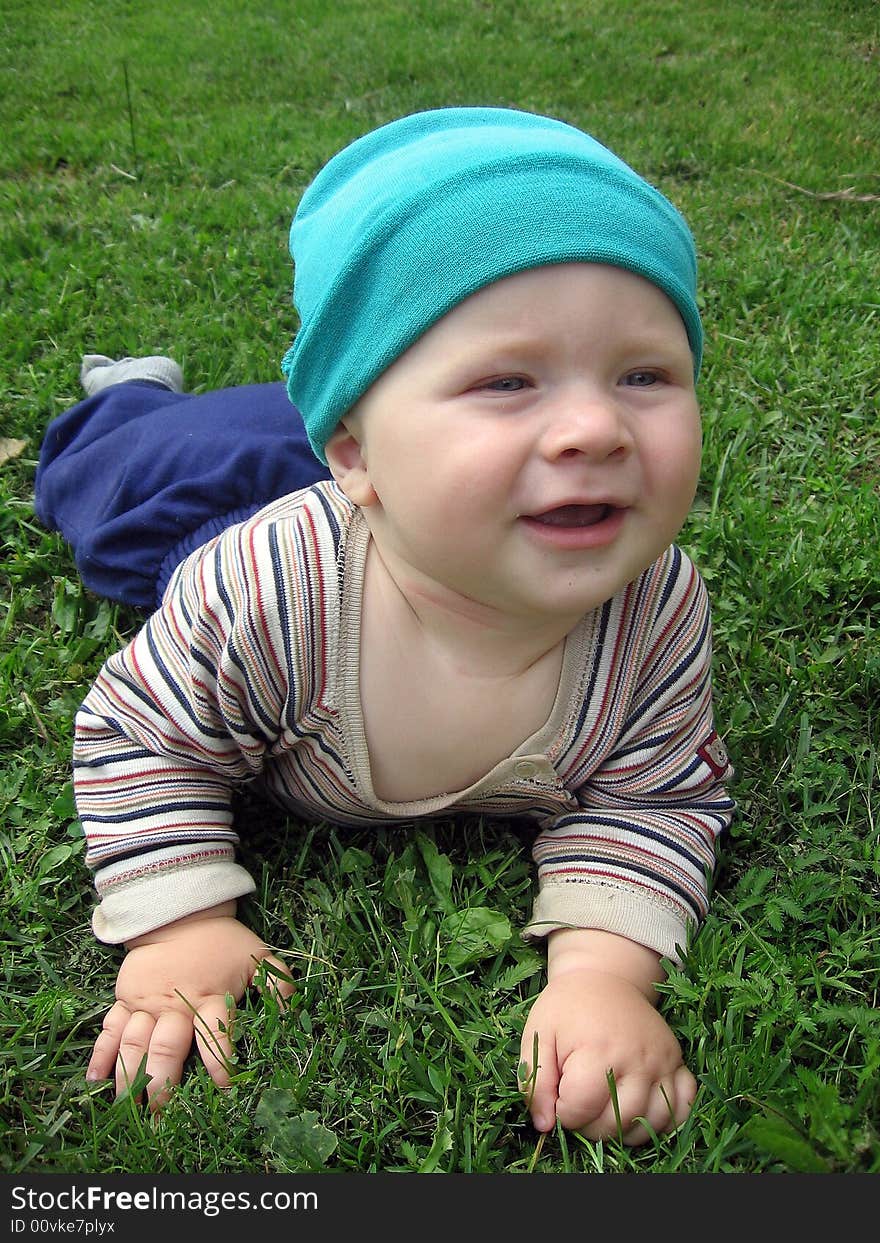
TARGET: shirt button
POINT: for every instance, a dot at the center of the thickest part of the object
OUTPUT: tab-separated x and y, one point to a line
525	768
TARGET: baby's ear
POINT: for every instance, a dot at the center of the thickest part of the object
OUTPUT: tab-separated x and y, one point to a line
349	468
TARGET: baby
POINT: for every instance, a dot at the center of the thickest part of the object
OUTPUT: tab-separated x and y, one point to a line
482	611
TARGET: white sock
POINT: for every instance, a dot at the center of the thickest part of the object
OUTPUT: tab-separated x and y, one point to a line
99	372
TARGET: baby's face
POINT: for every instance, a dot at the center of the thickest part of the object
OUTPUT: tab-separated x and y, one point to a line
539	446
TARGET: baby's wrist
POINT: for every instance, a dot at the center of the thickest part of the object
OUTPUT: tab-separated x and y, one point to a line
223	910
589	949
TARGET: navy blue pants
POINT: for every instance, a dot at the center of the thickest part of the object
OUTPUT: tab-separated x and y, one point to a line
136	477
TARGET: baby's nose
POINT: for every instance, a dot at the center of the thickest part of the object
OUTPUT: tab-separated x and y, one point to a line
592	425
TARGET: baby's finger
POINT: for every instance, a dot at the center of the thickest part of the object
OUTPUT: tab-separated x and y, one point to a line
584	1099
638	1100
106	1047
539	1078
214	1027
273	977
668	1104
170	1043
133	1046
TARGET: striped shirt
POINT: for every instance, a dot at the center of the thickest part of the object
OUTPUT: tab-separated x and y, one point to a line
250	671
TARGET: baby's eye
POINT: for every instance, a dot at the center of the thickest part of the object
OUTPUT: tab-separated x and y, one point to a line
643	378
505	384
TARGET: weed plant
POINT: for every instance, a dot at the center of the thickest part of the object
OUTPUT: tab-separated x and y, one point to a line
152	157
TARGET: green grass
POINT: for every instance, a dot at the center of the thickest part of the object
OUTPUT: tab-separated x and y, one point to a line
152	158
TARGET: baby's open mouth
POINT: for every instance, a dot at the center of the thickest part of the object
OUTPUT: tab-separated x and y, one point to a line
574	515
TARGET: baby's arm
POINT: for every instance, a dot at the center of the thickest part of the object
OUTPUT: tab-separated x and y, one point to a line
174	722
597	1015
632	861
174	984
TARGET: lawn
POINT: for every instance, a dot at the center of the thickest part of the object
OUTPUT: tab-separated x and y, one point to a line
152	157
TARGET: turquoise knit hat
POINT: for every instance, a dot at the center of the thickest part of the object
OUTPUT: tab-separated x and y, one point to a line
408	221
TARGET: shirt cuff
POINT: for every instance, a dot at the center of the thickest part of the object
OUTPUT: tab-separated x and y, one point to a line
136	899
607	908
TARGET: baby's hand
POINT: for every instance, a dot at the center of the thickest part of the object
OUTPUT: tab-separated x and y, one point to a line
172	985
589	1021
